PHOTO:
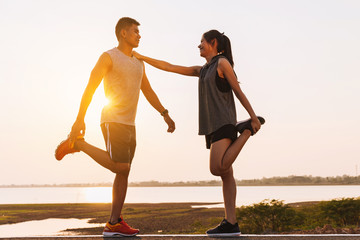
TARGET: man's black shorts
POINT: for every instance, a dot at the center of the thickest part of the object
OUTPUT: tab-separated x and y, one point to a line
120	141
226	131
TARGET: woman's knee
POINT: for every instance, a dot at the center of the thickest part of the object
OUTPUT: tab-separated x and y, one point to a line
227	175
220	171
215	170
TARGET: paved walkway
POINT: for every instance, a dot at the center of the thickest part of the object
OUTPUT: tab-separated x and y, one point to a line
201	237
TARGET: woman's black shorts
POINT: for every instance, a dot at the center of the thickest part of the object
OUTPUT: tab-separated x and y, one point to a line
226	131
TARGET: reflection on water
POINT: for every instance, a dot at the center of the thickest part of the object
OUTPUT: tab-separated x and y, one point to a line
220	205
98	194
47	227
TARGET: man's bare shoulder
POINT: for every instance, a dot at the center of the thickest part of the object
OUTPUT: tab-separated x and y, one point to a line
105	57
105	60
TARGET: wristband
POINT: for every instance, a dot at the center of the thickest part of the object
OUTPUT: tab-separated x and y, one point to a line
164	112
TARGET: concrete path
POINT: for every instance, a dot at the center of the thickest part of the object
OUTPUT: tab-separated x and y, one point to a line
201	237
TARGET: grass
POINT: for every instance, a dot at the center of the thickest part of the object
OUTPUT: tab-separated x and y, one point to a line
164	218
159	218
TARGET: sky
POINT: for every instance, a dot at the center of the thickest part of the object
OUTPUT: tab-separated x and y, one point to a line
297	62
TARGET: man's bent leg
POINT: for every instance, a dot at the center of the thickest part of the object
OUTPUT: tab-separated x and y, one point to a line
100	156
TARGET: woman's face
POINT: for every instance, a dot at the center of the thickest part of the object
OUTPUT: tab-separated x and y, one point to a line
205	48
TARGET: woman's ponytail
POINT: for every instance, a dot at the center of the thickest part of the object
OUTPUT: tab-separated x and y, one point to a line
227	50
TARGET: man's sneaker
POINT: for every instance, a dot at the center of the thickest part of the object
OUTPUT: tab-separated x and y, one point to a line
224	229
65	148
242	125
121	229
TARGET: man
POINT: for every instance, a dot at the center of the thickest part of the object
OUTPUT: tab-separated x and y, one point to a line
124	76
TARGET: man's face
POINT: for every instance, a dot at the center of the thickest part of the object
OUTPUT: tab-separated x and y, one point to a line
132	36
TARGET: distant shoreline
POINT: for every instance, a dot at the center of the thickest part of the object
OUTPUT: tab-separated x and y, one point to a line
164	185
274	181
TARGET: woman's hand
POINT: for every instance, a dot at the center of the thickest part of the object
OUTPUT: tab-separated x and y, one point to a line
255	124
137	55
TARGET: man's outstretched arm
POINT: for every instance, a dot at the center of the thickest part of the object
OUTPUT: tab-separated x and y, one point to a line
152	98
102	66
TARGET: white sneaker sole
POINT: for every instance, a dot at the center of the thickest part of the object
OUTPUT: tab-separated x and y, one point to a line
224	234
112	234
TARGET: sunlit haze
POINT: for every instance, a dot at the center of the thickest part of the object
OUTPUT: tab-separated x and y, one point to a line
297	61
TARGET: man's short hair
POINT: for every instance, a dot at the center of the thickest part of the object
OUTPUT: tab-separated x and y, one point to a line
124	23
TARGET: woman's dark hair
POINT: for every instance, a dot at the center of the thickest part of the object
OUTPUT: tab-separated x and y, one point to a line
224	45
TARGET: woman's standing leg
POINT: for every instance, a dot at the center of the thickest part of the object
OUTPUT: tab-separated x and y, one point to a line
220	151
229	194
217	151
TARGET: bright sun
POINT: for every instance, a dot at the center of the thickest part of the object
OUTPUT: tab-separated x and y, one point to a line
99	100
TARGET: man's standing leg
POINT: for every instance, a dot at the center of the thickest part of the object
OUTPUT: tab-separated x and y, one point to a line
119	193
120	144
121	179
121	170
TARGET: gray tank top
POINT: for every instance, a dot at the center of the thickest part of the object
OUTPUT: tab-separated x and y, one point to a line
122	88
216	100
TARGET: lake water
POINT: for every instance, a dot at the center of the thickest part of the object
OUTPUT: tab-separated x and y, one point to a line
245	195
47	227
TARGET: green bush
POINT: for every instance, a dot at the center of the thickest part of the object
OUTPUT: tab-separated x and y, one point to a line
342	212
267	216
275	216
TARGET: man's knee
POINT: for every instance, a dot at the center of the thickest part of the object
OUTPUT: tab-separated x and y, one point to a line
121	168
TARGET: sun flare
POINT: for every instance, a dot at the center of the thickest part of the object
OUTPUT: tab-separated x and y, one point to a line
99	100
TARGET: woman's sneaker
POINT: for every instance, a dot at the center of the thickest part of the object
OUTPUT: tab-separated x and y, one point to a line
224	229
242	125
65	148
120	229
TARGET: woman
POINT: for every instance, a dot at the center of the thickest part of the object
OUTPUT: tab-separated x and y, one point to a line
217	116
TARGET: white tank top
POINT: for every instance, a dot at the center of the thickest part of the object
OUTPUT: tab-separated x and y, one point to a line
122	88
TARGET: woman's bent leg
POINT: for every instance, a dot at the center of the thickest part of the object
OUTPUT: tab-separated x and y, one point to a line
234	149
229	226
223	153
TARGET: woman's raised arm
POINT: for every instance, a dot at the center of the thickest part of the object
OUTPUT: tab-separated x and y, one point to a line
188	71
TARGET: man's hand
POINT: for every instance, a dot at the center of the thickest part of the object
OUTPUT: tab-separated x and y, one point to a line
170	123
77	129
